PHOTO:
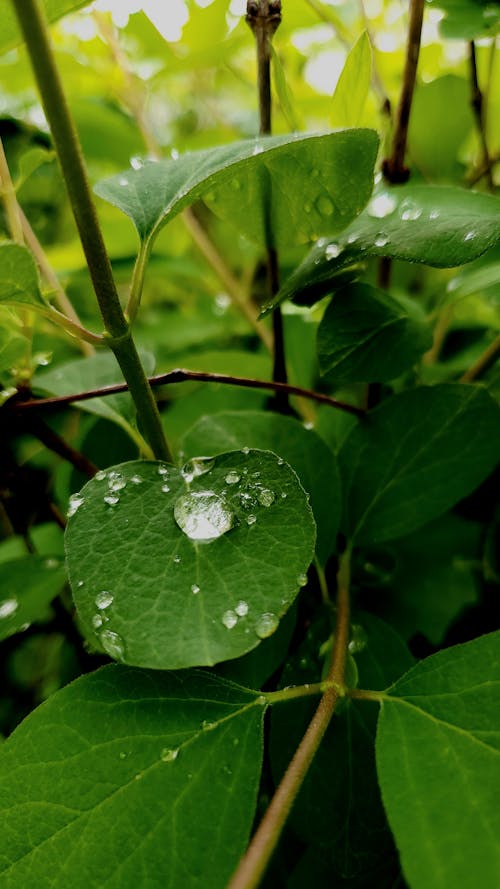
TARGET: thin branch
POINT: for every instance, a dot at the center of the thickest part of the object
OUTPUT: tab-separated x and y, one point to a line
256	859
489	357
477	103
179	375
394	168
36	426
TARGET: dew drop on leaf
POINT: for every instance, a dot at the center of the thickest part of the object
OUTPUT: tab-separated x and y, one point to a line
241	608
8	607
302	580
381	239
113	644
409	210
229	619
232	478
103	599
100	475
195	589
266	497
136	480
169	754
381	205
75	501
116	481
196	467
332	251
266	625
469	236
111	499
203	515
251	519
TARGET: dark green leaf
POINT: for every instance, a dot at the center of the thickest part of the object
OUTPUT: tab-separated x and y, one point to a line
468	19
54	9
18	277
27	586
438	746
414	457
154	595
437	225
129	775
306	453
239	180
366	336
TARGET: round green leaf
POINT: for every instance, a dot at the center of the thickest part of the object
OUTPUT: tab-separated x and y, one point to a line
182	567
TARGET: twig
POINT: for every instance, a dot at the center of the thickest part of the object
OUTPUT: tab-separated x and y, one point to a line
489	357
179	375
59	446
254	863
478	109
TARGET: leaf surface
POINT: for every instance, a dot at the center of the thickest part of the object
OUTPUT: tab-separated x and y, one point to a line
18	277
27	586
438	761
154	595
351	92
129	772
416	455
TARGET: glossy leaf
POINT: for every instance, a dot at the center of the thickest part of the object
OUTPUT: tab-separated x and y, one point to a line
174	568
129	772
27	586
416	455
238	181
54	9
438	744
351	92
302	448
19	284
440	226
365	335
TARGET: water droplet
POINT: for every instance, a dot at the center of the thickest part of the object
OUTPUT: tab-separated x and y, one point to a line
434	214
116	481
241	608
75	501
280	461
352	238
8	607
136	480
174	154
358	639
325	205
97	621
196	467
111	499
469	236
266	625
195	588
177	559
165	488
302	580
229	619
245	451
113	644
266	497
381	239
284	495
163	470
123	180
251	519
136	162
100	475
80	584
332	251
409	210
381	205
169	754
258	149
203	515
104	599
232	478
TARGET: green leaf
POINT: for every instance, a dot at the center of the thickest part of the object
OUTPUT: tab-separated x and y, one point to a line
468	19
353	85
302	448
130	772
440	226
155	595
438	745
366	336
54	9
28	586
416	455
238	180
346	826
18	277
440	161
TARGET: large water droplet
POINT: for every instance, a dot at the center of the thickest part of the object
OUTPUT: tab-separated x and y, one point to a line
169	754
116	481
381	205
266	497
332	251
381	239
266	625
103	599
100	475
113	644
241	608
136	162
229	619
8	607
97	621
196	467
232	478
203	515
75	501
409	210
111	499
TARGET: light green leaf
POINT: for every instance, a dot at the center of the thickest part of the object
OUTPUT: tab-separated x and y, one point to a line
302	448
54	9
438	762
27	586
440	226
13	348
366	336
351	92
176	568
19	283
256	184
440	159
130	775
416	455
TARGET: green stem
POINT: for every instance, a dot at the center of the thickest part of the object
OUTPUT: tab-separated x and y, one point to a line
489	357
35	32
137	284
295	692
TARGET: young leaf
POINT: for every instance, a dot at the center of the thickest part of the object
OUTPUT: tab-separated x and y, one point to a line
302	448
129	772
19	284
54	9
352	88
177	568
417	454
438	743
366	336
238	181
440	226
27	586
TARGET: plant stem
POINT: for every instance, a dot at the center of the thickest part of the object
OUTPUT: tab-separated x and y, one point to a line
394	168
295	692
9	198
254	863
264	17
361	694
478	109
489	357
35	32
181	376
